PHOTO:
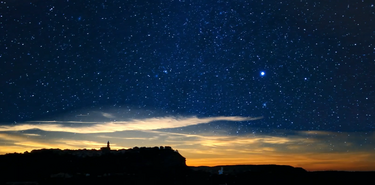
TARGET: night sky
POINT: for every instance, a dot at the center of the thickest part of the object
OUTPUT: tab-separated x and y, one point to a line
224	82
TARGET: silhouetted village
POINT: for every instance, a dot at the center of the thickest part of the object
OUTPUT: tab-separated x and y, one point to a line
144	165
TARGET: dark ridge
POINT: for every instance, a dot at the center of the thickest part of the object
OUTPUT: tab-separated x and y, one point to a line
236	169
93	162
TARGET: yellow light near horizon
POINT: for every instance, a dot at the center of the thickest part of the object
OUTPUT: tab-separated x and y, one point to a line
319	162
343	163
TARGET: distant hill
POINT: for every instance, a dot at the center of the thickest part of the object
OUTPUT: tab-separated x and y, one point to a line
236	169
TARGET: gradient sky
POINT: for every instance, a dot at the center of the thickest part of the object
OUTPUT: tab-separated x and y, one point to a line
223	82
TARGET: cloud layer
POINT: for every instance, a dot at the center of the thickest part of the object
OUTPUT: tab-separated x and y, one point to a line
106	127
310	150
204	144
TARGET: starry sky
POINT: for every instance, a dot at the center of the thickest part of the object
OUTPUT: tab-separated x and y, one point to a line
223	82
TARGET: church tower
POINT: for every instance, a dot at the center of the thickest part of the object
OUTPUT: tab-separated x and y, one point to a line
106	149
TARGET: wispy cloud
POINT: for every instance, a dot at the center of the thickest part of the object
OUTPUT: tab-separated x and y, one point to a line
14	142
313	150
35	135
135	124
310	150
108	115
128	138
212	140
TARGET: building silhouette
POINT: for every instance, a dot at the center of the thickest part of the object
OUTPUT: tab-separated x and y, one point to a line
106	149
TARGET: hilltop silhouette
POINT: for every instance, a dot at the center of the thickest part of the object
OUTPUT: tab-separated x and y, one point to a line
93	162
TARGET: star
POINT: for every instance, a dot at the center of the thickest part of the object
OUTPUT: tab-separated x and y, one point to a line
203	61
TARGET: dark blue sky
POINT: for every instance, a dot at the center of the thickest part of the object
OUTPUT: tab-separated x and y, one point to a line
188	74
200	58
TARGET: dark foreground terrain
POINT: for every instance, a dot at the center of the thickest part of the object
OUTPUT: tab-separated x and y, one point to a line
158	165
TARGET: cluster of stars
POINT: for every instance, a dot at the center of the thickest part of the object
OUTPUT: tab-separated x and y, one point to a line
300	64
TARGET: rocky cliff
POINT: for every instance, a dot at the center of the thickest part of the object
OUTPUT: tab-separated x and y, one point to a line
47	162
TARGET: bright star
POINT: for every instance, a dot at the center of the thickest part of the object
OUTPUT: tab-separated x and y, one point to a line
264	105
262	73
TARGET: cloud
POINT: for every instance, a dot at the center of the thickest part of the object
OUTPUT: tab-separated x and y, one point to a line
108	115
213	140
15	142
315	152
128	138
312	150
19	142
35	135
107	127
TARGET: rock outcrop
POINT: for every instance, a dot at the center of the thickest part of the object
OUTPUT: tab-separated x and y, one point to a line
47	162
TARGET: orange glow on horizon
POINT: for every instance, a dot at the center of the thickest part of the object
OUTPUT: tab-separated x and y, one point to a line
308	150
344	163
321	162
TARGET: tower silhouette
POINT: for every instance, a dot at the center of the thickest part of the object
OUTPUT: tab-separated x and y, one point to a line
106	149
